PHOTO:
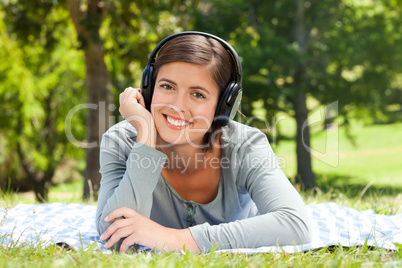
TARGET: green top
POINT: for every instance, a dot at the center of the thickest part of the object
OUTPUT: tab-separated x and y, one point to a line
256	205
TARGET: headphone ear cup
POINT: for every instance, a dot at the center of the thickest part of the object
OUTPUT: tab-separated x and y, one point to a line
147	86
236	103
228	104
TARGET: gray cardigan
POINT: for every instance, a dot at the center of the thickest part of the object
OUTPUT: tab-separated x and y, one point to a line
256	204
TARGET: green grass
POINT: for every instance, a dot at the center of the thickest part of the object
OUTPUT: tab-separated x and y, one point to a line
374	158
329	257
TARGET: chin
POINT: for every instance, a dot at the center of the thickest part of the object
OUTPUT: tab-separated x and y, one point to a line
181	140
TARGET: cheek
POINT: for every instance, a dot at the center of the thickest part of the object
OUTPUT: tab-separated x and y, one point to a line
204	115
159	101
157	98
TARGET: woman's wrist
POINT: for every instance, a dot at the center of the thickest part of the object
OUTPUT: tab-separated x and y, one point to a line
186	241
147	137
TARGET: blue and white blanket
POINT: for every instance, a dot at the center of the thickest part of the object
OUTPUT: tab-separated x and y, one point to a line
74	224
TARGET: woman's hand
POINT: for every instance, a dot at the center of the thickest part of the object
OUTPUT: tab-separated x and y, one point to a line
132	108
138	229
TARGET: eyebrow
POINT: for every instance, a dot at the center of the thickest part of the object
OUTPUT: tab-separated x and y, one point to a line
174	83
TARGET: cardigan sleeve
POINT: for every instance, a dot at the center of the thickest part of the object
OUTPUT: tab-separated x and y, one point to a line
130	172
282	217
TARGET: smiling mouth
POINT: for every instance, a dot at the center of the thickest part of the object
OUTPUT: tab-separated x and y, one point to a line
176	122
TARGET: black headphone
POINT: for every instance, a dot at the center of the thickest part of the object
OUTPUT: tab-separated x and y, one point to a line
229	99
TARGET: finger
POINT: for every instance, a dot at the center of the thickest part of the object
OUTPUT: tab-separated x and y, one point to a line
130	95
119	213
128	89
141	100
123	95
129	241
126	94
119	234
113	228
138	96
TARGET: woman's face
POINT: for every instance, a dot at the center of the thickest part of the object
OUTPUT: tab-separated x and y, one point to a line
184	102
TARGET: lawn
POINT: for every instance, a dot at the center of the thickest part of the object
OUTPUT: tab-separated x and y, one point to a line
373	156
328	257
366	175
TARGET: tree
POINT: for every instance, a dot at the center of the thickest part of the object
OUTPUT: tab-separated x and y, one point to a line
330	50
273	50
365	59
87	24
38	86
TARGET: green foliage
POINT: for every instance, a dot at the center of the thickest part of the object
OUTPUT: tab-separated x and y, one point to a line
39	86
363	59
351	52
332	50
131	30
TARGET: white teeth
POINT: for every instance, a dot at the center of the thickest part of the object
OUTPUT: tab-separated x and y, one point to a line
175	122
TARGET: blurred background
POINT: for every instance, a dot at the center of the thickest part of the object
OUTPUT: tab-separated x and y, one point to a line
322	79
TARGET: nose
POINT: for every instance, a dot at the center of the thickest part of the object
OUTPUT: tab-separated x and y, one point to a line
179	102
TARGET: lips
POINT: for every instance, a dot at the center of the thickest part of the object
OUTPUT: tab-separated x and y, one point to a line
176	122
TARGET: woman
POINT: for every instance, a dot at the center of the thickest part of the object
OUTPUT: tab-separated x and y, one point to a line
178	173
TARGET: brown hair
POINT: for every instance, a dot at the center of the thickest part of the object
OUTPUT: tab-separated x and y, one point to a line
200	50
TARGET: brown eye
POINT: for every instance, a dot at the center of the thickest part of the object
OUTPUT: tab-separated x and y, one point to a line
198	95
166	86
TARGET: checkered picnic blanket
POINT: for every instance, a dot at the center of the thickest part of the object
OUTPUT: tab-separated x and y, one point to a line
74	224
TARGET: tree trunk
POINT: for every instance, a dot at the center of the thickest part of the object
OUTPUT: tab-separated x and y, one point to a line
304	168
41	180
41	191
87	26
98	86
42	184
